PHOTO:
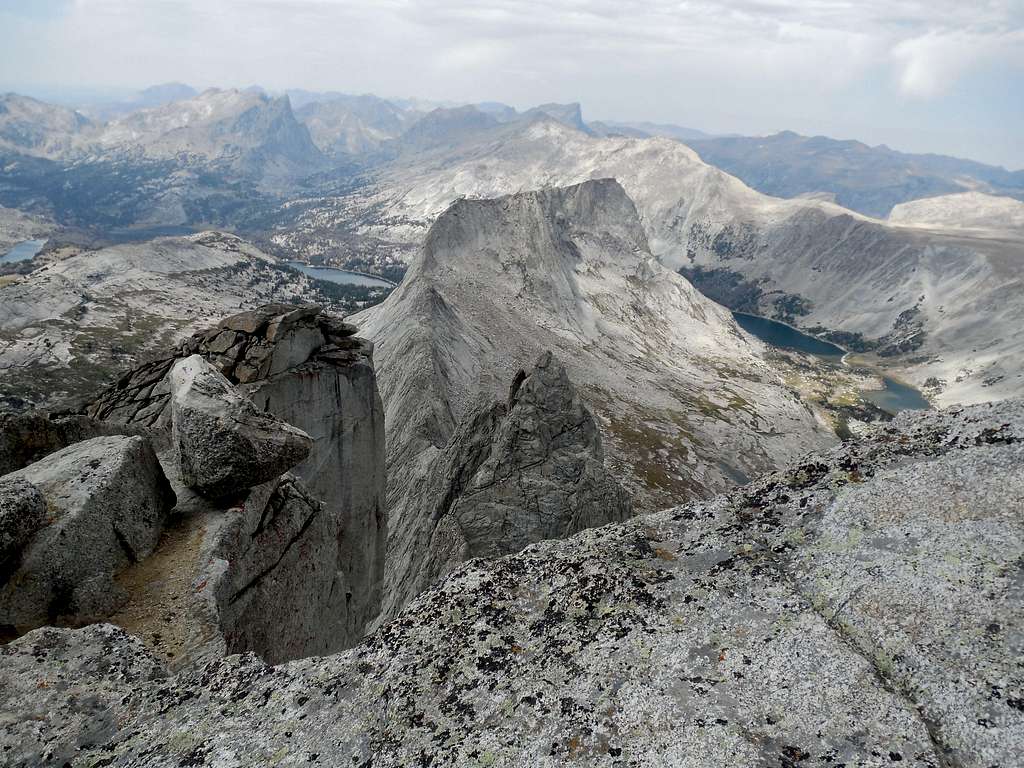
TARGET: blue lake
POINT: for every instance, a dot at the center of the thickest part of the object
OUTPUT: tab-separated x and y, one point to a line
787	337
894	397
335	275
23	251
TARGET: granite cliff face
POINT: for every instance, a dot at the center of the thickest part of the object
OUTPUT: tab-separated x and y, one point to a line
310	371
514	473
685	401
862	607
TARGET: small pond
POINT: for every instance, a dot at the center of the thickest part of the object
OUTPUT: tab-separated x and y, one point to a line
23	251
895	396
335	275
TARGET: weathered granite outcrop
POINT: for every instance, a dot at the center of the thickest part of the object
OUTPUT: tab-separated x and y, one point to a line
105	502
22	513
862	608
29	435
309	371
514	473
258	574
274	578
246	347
223	442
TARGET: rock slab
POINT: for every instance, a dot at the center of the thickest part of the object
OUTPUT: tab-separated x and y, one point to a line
861	607
106	500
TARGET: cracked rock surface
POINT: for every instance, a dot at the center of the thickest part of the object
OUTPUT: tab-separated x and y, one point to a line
861	608
224	442
514	473
105	502
288	365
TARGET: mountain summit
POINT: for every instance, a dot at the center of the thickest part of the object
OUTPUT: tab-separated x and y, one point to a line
685	401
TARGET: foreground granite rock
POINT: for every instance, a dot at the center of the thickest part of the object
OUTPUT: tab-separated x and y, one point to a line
106	500
29	435
257	574
307	369
514	473
862	608
224	443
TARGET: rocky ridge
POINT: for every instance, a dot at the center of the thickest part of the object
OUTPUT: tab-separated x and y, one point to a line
80	317
251	557
685	401
514	473
309	370
861	607
809	262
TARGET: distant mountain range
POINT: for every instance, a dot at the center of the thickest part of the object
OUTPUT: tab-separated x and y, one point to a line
258	134
357	181
866	179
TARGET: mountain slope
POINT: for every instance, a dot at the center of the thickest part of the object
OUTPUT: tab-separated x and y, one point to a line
79	318
38	129
353	125
248	130
685	401
867	179
963	211
940	307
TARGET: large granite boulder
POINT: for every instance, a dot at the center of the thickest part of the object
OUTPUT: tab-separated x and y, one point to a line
106	501
862	608
273	576
515	473
22	513
308	369
29	435
224	443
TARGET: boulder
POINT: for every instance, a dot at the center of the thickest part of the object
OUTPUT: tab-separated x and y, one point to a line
22	513
275	583
224	443
260	574
106	501
862	608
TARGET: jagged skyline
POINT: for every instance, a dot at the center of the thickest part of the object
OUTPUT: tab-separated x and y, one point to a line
940	78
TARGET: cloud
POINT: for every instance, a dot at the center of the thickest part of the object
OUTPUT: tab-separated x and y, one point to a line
730	65
931	64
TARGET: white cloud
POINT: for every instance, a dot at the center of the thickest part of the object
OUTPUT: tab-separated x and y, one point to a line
721	64
932	63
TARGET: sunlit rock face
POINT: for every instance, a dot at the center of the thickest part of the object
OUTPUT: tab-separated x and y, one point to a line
685	402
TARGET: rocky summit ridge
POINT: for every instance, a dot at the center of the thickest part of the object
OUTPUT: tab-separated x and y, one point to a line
226	496
861	607
686	403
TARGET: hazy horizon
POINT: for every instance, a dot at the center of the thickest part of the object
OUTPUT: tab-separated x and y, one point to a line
943	78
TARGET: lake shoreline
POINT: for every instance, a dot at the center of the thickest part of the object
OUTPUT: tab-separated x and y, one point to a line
893	396
303	267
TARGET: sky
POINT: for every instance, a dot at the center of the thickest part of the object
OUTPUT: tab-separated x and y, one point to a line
942	76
